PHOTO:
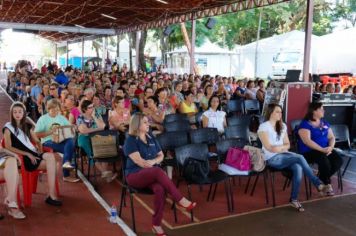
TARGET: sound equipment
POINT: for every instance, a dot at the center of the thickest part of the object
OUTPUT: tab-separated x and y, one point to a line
167	31
210	23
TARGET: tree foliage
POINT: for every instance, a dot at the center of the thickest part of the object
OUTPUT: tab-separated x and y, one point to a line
345	11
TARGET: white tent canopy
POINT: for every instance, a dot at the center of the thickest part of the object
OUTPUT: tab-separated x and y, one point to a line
267	50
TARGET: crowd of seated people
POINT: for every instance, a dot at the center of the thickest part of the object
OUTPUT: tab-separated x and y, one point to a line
93	101
334	88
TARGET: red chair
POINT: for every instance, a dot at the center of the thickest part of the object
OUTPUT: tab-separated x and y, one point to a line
30	179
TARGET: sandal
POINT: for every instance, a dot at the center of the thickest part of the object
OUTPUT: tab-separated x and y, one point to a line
14	211
296	204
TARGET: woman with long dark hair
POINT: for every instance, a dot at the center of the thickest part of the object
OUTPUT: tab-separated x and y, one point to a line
317	142
275	145
213	117
20	138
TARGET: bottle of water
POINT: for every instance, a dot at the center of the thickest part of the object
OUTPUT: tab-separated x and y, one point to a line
113	214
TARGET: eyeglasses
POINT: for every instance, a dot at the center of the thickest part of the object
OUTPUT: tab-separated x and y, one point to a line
52	89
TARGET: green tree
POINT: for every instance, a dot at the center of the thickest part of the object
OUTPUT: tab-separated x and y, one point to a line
175	39
346	11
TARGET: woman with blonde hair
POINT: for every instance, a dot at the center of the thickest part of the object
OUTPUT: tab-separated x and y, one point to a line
46	127
143	156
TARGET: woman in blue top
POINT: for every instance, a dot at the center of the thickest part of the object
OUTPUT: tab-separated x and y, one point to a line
317	142
142	171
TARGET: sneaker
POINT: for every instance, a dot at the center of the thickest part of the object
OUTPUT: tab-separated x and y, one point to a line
296	204
328	190
70	179
53	202
67	165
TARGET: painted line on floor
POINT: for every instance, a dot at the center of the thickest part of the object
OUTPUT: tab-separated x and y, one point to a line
104	204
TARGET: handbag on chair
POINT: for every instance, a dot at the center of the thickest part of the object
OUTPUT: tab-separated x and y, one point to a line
257	160
238	159
62	132
104	146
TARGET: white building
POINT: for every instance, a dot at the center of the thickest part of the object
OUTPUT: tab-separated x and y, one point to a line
209	58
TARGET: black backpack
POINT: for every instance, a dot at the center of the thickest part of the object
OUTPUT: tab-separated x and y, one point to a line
196	171
254	123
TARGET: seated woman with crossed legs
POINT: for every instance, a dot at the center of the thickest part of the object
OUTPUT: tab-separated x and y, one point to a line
142	171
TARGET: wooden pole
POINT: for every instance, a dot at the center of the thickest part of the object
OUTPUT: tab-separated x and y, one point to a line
192	49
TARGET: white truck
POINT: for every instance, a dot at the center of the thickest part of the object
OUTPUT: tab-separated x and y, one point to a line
333	54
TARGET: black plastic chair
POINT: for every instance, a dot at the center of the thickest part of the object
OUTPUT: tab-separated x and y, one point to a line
235	107
239	120
237	131
252	106
126	187
200	152
204	135
222	149
174	117
208	136
342	142
294	124
171	140
112	159
180	125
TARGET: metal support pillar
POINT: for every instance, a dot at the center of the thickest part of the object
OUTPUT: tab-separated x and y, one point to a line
192	51
105	52
138	36
67	54
118	48
307	42
83	53
55	52
257	42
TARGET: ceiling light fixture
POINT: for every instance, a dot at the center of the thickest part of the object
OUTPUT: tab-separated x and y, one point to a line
80	26
53	3
161	1
107	16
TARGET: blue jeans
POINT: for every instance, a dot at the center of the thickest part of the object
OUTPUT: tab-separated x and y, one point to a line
297	164
67	147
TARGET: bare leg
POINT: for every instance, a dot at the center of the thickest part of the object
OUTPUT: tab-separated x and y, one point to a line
49	163
11	177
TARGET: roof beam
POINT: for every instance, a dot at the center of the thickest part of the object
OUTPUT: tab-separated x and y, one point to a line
57	28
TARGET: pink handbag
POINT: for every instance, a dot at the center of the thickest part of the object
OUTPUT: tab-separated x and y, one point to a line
238	159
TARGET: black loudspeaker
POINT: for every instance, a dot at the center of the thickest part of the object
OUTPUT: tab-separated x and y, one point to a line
167	31
210	23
